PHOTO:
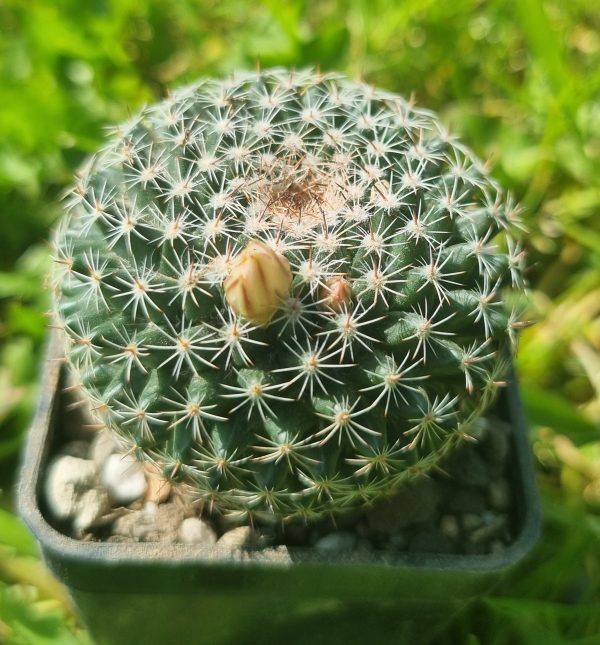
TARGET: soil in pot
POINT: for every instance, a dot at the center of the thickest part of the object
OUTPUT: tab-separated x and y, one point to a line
465	506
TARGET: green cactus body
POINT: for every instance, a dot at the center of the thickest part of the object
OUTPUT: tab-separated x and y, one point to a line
348	390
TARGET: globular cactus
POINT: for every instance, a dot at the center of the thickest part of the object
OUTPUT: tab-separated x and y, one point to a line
288	290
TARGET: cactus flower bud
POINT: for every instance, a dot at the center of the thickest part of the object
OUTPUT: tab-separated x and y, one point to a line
337	293
259	279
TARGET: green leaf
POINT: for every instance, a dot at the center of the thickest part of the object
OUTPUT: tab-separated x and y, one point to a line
26	620
543	40
545	408
18	285
15	535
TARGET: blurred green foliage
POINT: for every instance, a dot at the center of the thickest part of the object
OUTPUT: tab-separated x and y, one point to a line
520	81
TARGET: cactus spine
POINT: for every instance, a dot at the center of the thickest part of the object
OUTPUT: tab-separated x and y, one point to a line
287	290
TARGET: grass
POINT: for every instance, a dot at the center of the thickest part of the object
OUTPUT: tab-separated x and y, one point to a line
519	80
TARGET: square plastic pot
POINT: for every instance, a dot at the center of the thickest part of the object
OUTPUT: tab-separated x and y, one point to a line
155	593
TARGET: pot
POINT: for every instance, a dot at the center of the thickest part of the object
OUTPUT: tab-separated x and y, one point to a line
155	593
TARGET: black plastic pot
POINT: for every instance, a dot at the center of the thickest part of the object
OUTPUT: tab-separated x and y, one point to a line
152	593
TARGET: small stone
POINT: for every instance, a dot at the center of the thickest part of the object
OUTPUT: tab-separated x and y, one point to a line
499	495
339	541
153	523
193	530
164	525
124	478
412	504
488	530
123	525
92	505
497	546
102	447
67	479
449	526
278	554
149	510
237	538
470	521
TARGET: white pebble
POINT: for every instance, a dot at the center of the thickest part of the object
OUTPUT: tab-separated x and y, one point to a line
471	521
278	554
67	479
124	478
336	542
449	526
499	495
90	507
193	530
236	538
149	511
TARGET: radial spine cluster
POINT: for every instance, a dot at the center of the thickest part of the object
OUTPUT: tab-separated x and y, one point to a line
393	337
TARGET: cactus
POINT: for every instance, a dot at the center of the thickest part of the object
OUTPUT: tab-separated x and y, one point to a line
288	290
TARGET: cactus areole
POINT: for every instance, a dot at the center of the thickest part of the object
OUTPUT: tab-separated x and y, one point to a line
288	290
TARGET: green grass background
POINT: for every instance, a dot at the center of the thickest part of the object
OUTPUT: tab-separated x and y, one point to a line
518	79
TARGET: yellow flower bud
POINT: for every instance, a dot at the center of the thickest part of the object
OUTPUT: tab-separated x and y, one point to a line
337	293
259	280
